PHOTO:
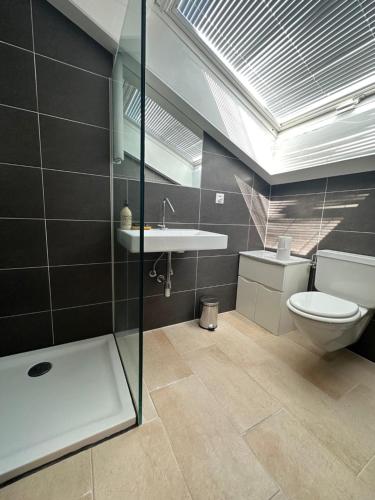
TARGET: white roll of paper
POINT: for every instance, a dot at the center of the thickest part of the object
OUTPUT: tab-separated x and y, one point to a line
283	247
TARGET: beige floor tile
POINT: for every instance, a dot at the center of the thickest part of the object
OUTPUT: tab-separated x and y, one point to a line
242	350
367	475
332	422
303	467
69	479
304	341
243	400
187	337
279	496
353	366
138	465
212	456
148	408
310	365
162	363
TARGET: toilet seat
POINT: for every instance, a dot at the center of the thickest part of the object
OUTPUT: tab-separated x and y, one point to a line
322	304
324	307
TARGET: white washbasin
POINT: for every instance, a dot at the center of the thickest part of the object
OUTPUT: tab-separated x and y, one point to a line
171	240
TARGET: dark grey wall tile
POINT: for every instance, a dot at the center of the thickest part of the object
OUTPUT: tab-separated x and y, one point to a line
183	278
184	199
76	196
25	333
220	173
21	193
352	242
59	38
17	82
225	294
237	238
24	291
23	243
67	92
364	180
80	285
73	242
212	146
303	187
74	147
126	315
260	186
73	94
296	209
159	311
15	23
81	323
120	253
350	210
259	210
366	344
235	210
120	196
121	280
217	270
257	238
305	236
19	137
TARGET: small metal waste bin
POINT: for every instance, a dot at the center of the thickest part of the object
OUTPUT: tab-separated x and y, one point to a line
209	311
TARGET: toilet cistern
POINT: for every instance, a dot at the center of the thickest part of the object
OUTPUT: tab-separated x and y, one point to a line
164	204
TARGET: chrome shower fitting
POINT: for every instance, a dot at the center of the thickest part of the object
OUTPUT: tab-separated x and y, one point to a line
161	278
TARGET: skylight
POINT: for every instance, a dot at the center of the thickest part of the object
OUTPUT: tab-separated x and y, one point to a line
293	57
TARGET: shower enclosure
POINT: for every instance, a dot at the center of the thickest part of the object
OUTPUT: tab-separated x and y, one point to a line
60	398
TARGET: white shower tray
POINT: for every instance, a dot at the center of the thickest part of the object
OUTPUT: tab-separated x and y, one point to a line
82	399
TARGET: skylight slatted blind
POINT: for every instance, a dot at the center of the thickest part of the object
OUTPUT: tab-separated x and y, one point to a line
163	126
293	56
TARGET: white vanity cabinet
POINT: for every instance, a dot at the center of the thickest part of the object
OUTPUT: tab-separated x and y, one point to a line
264	285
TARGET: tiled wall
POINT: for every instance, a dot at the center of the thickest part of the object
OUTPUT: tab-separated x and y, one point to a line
242	218
55	230
337	213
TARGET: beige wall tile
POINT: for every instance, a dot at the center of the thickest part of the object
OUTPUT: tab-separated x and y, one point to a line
243	400
302	466
211	454
162	363
138	465
333	424
69	479
187	337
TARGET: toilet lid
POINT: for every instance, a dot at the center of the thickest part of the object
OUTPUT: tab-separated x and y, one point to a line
322	304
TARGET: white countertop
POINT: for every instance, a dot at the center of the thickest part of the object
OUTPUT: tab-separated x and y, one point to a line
267	256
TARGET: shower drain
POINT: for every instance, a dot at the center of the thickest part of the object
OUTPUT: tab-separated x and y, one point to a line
39	369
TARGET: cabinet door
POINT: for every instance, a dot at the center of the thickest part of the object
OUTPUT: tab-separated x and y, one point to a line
268	274
246	297
267	312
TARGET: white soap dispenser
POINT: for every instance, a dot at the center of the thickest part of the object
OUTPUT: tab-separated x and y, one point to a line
125	217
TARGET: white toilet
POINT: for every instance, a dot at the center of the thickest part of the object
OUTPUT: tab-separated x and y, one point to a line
336	315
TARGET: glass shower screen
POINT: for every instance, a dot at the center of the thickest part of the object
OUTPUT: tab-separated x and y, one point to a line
128	95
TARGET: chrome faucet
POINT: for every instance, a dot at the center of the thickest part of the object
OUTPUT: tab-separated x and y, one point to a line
165	201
